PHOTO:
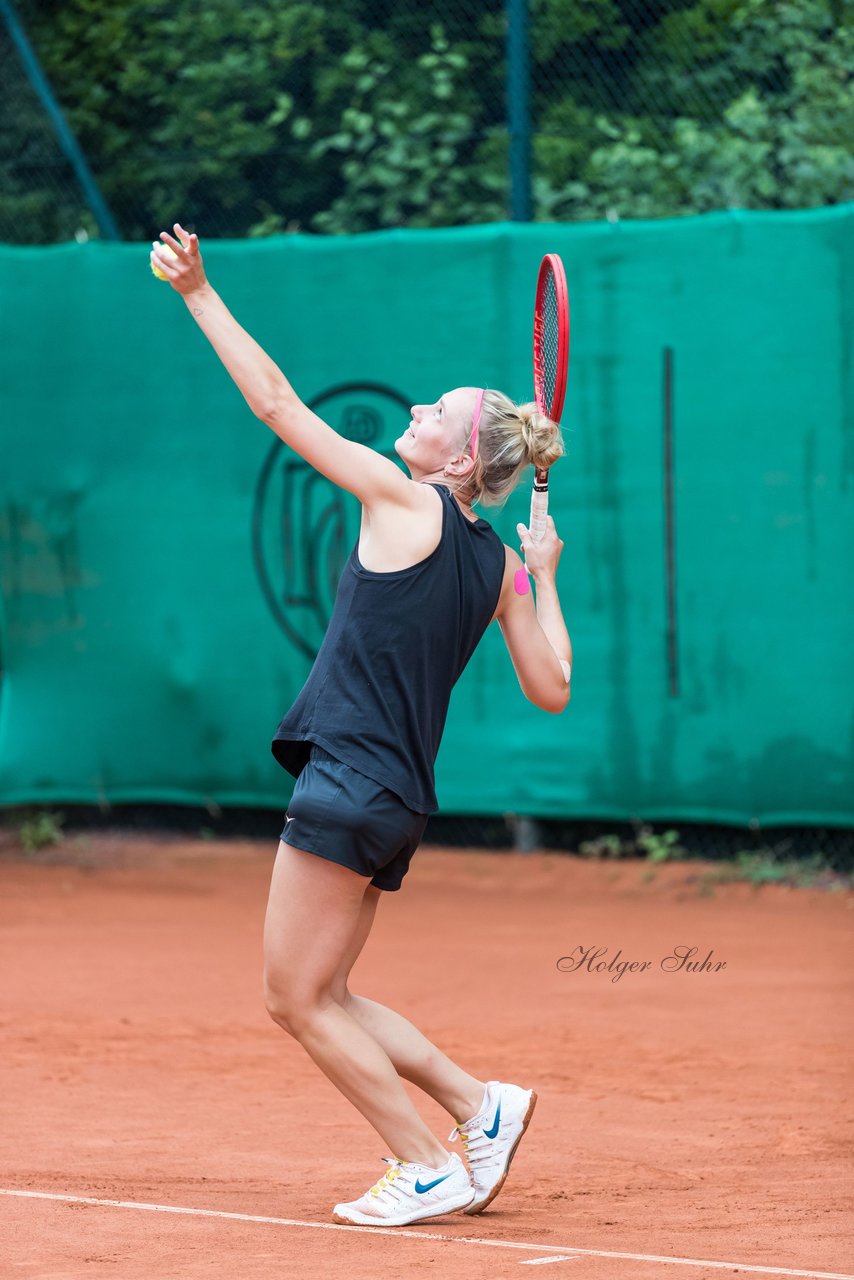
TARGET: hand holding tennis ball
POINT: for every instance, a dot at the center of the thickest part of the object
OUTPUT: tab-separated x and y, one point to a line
178	260
155	267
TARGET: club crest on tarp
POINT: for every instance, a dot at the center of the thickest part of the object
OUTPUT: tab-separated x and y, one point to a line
303	526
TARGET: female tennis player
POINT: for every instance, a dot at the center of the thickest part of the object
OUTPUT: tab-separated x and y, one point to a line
422	584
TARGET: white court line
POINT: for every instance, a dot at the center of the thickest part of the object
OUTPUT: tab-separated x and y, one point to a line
538	1262
424	1235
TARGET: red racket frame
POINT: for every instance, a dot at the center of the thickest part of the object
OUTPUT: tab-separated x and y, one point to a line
551	267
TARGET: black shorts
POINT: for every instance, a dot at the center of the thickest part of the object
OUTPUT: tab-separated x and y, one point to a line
339	814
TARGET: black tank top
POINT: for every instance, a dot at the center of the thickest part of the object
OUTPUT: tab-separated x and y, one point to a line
377	696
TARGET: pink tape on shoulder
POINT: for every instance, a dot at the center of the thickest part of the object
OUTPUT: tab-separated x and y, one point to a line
521	582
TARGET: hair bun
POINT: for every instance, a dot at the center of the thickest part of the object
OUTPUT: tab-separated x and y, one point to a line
542	438
512	437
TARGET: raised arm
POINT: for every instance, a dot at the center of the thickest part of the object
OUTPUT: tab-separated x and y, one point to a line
536	634
359	470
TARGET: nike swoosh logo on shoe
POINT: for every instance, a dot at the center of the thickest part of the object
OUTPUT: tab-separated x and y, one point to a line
491	1133
421	1187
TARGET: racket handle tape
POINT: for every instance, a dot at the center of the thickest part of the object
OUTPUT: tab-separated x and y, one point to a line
539	505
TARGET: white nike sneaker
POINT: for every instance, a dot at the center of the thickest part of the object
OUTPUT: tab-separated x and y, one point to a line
409	1192
491	1137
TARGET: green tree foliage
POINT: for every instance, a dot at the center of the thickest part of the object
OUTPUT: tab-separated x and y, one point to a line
407	142
248	117
191	107
730	104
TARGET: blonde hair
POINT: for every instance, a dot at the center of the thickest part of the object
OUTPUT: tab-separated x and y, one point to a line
510	437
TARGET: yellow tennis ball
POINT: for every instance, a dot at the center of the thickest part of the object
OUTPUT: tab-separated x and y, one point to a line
170	253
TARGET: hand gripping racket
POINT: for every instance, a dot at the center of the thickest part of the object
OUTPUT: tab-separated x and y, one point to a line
551	361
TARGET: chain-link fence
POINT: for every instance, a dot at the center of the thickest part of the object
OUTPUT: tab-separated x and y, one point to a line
253	118
40	198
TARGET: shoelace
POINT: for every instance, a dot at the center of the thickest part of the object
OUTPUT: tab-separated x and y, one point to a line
388	1177
477	1146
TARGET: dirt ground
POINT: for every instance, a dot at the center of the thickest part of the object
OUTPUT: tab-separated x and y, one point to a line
685	1118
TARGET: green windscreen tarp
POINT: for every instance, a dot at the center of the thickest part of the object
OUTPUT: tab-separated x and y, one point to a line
167	567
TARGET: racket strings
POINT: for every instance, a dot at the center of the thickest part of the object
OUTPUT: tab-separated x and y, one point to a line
547	348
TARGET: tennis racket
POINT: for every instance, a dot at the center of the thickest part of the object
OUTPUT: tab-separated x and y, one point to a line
551	361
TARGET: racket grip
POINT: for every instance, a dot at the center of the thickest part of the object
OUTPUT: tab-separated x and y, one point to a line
539	505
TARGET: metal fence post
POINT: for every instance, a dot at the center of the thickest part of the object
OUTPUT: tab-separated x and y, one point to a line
519	108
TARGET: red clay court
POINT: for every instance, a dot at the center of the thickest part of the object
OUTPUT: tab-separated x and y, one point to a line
689	1124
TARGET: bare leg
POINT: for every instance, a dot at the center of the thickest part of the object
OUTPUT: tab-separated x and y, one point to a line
312	915
414	1057
417	1059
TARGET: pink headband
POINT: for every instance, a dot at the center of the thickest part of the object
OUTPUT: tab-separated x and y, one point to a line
475	421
